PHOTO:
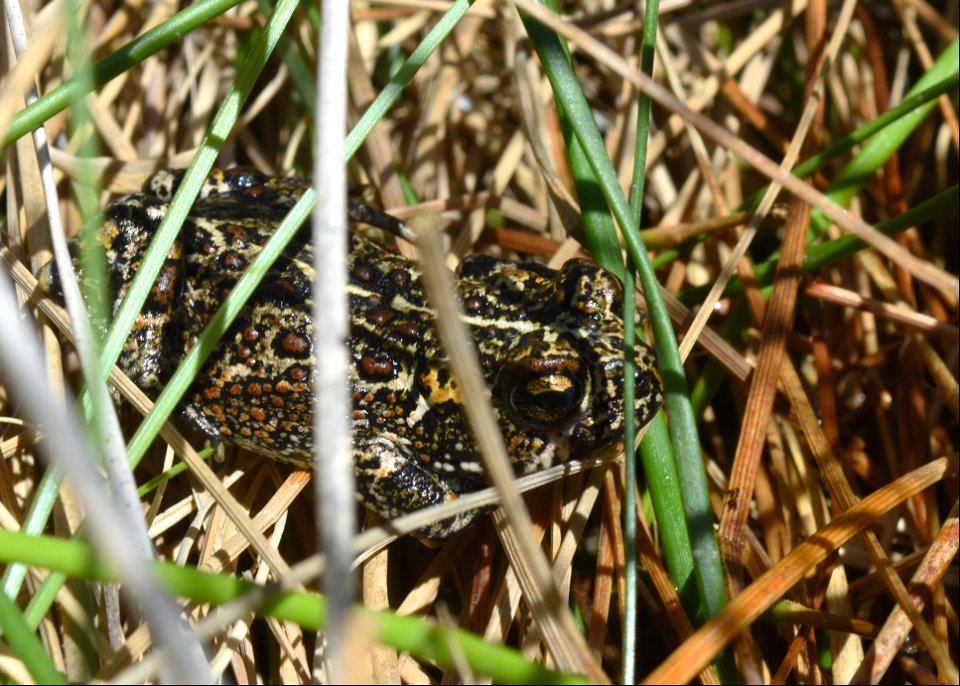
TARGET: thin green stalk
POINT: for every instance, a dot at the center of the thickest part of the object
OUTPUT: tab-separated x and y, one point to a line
301	73
683	430
598	225
604	246
656	451
115	64
25	644
629	633
43	598
418	636
407	71
219	130
147	487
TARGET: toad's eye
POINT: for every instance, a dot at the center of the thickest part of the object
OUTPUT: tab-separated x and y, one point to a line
546	400
543	392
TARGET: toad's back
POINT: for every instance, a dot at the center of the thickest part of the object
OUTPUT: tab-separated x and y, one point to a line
550	345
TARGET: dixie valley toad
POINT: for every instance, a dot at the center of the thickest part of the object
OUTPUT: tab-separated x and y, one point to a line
550	345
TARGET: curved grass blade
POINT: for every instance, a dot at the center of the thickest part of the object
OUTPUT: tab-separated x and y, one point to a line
825	254
916	98
416	635
682	425
47	491
116	63
388	96
25	645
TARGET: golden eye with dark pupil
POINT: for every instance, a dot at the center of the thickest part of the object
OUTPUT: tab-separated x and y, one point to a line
547	399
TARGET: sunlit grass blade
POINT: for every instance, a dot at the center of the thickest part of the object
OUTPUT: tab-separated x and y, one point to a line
388	96
25	645
222	124
824	254
416	635
682	427
116	63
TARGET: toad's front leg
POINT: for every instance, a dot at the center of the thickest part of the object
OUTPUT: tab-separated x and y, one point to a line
392	481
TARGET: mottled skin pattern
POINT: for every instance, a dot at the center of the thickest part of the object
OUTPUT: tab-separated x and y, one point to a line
550	345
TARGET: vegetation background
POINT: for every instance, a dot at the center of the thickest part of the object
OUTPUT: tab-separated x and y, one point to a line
812	406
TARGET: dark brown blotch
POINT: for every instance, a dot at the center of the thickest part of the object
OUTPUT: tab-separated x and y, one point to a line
232	261
235	235
294	344
377	366
372	367
382	316
364	272
400	277
410	331
473	305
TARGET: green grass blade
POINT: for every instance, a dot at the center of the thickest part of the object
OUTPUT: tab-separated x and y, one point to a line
301	71
831	252
682	426
629	633
43	598
191	365
26	645
217	133
34	522
415	635
655	451
917	97
47	491
116	63
388	96
883	144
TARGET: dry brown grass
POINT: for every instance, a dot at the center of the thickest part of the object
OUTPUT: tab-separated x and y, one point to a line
839	385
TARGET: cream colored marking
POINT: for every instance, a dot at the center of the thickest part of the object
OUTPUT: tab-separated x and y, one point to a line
523	326
417	413
353	289
471	466
401	304
307	269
